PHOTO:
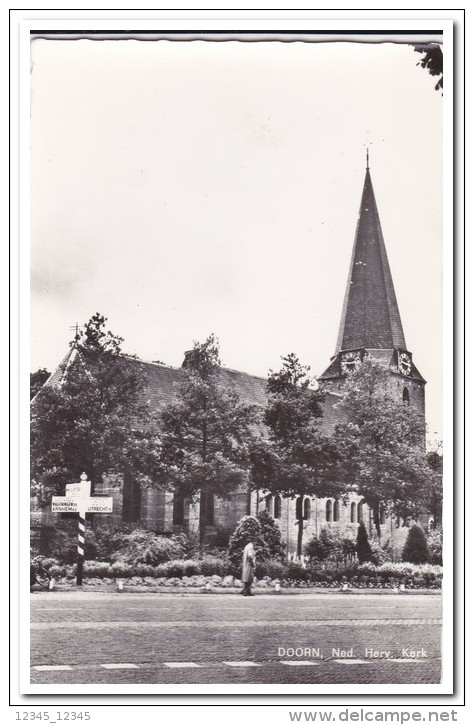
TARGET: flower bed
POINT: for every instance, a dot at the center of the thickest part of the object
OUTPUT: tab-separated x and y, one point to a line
195	573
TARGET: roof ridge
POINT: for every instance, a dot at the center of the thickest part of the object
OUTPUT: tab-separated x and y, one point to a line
133	358
242	372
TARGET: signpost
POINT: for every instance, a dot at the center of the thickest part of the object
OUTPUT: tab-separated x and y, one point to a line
63	504
78	499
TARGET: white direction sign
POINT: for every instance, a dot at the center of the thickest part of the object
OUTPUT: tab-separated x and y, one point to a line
64	504
78	499
91	505
99	504
78	490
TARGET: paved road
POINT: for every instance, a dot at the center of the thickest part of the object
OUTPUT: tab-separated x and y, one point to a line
86	637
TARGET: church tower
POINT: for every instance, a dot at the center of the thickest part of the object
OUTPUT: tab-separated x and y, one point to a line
370	321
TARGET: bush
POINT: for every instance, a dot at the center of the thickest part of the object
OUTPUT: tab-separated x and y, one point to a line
265	535
207	566
320	548
379	553
101	543
273	568
63	543
120	568
348	551
248	530
298	572
102	569
435	546
173	568
388	575
416	546
210	565
146	547
145	570
362	546
332	575
55	568
329	546
271	534
417	575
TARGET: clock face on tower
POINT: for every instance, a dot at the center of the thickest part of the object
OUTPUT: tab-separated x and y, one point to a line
349	361
404	363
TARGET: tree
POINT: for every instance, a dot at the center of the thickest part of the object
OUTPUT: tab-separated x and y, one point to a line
381	444
435	546
432	60
94	420
94	338
330	545
362	545
321	547
247	531
264	535
271	535
37	380
433	495
416	547
206	432
298	459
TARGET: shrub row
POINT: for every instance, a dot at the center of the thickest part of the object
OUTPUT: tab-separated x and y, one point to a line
386	575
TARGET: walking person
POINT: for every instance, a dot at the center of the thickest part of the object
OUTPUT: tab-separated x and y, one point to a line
248	569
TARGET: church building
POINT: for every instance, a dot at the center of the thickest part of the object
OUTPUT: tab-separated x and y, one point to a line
370	325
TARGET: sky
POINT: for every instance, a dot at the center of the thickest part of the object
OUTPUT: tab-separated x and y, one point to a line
188	188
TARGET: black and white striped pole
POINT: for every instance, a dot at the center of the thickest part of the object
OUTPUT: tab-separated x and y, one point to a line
78	500
80	547
84	494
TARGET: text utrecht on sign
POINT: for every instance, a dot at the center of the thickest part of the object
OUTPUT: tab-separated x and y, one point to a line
99	505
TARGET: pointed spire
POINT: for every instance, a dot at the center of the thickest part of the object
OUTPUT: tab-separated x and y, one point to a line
367	167
370	316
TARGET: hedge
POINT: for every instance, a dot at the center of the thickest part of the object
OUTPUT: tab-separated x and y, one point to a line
291	574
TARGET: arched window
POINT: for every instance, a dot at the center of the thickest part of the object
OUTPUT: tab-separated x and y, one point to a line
178	509
336	513
306	509
406	396
360	511
299	507
269	503
329	510
353	513
277	507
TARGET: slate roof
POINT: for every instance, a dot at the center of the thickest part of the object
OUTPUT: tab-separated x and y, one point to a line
370	317
161	381
56	377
